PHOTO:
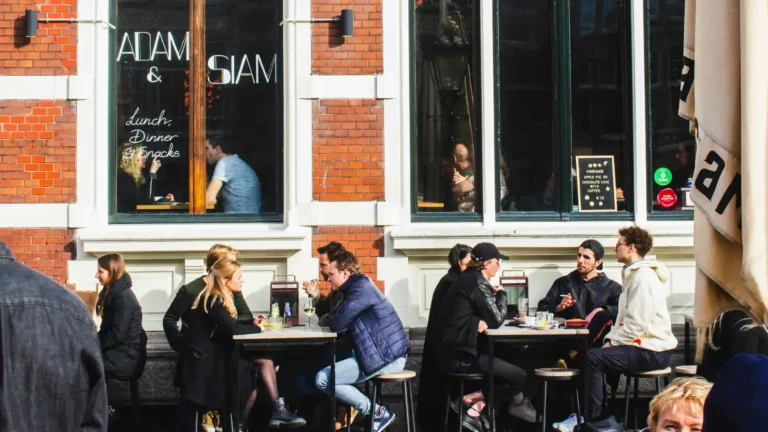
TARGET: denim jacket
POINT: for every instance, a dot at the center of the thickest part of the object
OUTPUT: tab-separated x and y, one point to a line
51	373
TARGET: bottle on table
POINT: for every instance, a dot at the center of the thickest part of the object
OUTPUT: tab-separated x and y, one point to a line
287	315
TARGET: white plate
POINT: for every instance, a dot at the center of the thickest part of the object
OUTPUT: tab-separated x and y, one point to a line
538	327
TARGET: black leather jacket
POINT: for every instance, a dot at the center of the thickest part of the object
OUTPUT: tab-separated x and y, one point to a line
470	300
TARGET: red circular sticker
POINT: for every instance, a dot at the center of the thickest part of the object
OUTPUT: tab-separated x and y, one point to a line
667	198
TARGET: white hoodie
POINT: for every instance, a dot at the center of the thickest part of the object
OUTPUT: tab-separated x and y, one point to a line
643	319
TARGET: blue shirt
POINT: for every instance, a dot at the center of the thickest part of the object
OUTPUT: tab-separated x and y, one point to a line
241	192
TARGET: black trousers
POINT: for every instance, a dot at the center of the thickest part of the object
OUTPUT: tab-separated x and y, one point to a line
511	377
615	361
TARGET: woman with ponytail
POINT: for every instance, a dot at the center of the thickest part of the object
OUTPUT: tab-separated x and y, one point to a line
121	335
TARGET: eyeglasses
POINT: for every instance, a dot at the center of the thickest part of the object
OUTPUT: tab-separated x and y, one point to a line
621	244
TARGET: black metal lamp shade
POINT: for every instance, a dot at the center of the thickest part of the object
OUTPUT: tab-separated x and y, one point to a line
346	22
30	23
448	66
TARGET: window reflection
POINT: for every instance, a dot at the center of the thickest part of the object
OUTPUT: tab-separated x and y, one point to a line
526	112
446	147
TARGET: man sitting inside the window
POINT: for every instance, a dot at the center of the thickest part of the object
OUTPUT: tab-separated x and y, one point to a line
585	293
233	179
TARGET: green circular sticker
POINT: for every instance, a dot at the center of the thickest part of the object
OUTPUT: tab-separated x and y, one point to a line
662	176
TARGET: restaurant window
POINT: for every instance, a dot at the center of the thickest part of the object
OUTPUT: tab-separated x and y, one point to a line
672	146
446	142
564	107
242	112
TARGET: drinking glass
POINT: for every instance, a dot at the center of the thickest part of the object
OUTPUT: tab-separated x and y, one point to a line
541	319
276	323
314	289
522	307
309	310
550	318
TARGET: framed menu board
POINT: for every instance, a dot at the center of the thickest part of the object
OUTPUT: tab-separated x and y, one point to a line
596	181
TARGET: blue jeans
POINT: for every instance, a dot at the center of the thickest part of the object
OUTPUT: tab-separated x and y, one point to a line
305	382
348	373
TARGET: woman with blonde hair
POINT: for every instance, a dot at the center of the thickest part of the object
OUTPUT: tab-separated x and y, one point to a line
208	349
132	187
123	340
680	407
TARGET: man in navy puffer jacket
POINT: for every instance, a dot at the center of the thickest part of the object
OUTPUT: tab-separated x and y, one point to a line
379	340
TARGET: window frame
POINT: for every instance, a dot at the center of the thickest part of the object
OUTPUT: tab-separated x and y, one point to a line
563	119
477	215
173	218
677	215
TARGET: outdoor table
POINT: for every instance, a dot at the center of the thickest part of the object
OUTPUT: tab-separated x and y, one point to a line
521	335
687	343
277	340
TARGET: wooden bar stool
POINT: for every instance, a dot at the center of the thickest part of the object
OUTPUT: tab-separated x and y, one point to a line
460	377
557	374
405	377
654	374
685	370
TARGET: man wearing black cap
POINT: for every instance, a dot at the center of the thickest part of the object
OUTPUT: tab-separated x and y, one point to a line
471	306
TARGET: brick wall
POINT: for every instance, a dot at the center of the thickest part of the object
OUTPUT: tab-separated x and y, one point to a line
365	242
348	150
359	55
52	52
37	151
46	250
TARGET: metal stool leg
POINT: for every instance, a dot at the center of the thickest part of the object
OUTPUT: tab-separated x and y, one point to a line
460	404
626	404
373	407
349	419
544	409
636	403
407	407
447	403
409	398
135	406
578	405
658	385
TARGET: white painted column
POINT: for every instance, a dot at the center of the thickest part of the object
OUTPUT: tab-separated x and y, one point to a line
638	112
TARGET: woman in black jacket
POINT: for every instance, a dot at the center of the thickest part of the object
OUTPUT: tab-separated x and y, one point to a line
122	338
472	306
431	379
733	333
132	187
209	352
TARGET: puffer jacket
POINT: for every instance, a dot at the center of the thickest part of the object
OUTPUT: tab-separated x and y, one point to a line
643	319
470	300
121	335
372	322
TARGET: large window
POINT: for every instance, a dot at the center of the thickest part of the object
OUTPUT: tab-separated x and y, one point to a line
672	146
563	96
446	143
242	110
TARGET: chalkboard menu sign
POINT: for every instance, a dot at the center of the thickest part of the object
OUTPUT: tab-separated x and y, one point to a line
596	177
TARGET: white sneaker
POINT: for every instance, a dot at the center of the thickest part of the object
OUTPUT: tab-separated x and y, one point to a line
524	411
567	425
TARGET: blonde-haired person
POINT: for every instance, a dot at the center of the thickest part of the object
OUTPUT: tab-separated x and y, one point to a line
132	186
122	338
679	407
731	334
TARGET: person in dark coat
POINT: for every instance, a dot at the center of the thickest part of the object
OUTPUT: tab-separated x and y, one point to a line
123	340
51	378
431	379
377	334
472	306
209	353
585	293
733	333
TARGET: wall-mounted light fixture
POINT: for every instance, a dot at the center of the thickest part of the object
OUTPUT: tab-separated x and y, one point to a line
346	22
31	22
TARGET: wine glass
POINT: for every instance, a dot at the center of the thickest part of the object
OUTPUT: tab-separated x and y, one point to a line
309	310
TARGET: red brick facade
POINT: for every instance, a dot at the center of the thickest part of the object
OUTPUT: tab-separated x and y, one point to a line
46	250
52	52
348	150
358	55
365	242
37	151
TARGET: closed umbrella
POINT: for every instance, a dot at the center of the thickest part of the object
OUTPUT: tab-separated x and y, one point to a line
724	92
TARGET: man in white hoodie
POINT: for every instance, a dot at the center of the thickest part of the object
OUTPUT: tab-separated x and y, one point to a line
642	338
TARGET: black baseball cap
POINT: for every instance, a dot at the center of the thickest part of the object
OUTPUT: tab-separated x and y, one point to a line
487	251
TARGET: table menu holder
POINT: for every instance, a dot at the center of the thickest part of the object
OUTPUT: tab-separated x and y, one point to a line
285	289
515	283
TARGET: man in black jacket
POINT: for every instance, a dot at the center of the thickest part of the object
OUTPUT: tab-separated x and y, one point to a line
471	306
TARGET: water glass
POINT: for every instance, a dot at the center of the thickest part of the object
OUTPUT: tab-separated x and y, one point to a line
522	307
541	319
550	318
